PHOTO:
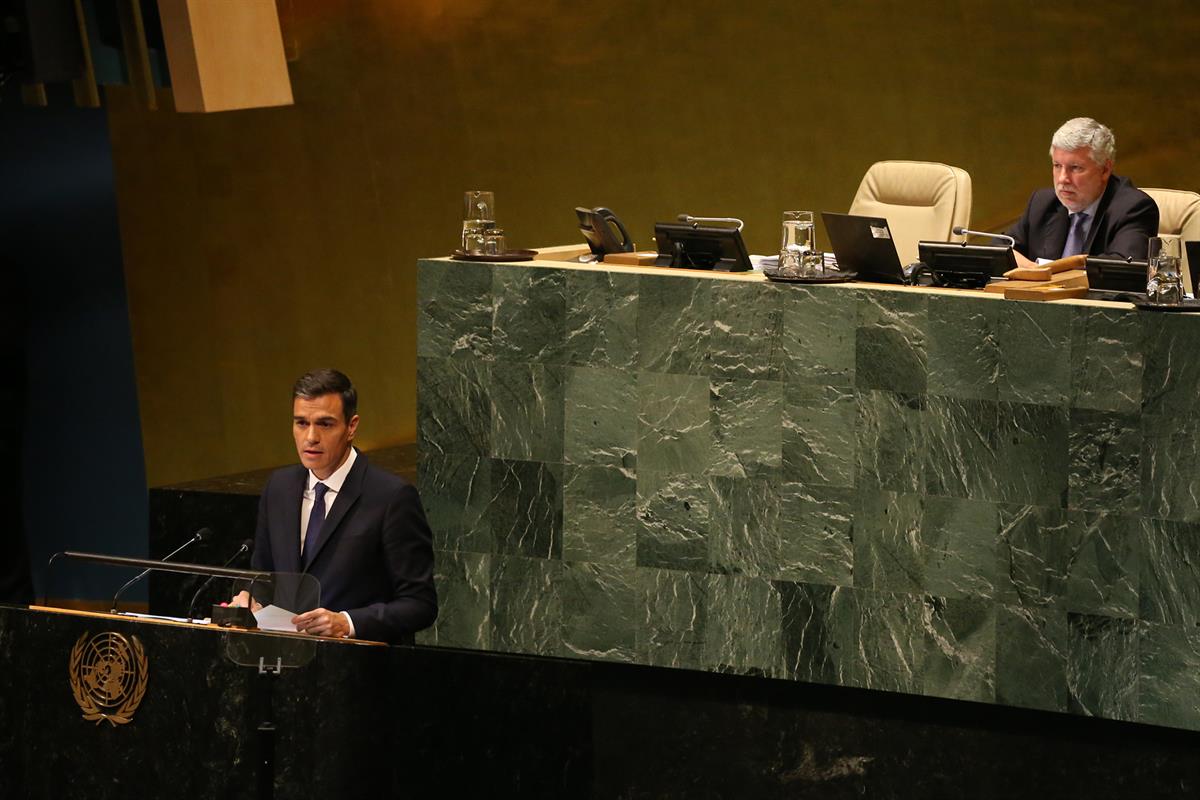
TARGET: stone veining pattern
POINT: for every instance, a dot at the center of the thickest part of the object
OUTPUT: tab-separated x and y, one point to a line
940	495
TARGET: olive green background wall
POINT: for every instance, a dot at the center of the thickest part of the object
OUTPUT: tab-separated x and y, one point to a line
259	244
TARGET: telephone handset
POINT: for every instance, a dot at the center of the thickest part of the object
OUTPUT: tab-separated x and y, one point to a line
604	232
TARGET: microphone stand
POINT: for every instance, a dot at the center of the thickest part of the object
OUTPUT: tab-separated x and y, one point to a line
198	536
245	548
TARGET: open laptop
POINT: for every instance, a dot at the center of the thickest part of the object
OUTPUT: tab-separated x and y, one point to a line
864	245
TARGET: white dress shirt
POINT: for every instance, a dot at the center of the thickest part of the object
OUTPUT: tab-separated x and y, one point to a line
334	482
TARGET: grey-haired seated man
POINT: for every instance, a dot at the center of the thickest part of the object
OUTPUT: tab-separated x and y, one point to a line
1089	210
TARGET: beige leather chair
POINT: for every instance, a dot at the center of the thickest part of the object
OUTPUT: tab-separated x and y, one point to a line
920	199
1179	217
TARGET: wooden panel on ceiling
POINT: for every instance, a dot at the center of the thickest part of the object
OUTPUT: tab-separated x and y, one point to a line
225	56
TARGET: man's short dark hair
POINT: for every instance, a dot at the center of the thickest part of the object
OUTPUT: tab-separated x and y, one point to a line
320	382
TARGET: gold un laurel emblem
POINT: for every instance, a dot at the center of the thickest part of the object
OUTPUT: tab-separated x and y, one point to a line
108	677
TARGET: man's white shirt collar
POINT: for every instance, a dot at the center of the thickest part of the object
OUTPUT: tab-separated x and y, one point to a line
334	481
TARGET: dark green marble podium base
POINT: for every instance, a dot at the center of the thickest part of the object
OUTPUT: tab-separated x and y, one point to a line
946	495
440	722
195	733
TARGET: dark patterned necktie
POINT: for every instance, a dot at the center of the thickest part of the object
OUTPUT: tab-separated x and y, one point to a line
316	518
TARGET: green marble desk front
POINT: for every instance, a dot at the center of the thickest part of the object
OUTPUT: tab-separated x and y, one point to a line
938	493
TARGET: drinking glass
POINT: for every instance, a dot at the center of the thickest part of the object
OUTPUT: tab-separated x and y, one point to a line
493	242
798	256
479	216
1164	282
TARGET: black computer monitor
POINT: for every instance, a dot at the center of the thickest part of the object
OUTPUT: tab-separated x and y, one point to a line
966	266
688	245
1117	275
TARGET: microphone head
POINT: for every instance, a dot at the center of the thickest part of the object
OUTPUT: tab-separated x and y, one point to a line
247	545
202	535
959	230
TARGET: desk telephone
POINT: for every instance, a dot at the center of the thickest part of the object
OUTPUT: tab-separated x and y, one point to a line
604	233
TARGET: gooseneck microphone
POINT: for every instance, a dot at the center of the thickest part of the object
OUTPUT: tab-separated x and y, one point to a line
961	231
244	548
198	536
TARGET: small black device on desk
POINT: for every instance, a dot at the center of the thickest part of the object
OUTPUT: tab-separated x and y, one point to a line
965	266
1116	275
690	245
604	232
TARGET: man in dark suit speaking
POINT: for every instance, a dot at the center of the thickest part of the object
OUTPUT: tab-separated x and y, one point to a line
358	530
1090	210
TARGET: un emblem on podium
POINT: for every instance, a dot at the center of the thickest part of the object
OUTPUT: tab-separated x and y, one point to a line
108	677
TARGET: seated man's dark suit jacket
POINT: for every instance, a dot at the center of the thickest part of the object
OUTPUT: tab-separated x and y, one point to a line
374	558
1125	220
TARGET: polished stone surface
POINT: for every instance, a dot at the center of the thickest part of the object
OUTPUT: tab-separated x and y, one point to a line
362	721
944	495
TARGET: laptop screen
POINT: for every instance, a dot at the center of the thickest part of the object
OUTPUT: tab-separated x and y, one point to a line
863	245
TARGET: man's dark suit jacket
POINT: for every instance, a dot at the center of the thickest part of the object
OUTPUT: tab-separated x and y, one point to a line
1125	220
374	558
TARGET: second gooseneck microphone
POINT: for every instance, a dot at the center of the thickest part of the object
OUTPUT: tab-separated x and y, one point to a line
198	536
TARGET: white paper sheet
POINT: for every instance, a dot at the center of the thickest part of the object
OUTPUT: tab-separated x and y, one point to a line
274	618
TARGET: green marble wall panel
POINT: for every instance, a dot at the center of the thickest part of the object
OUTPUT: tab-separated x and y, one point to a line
816	534
1035	555
530	308
1106	360
674	324
746	323
889	348
464	587
454	311
1171	373
949	495
960	652
527	411
1104	572
1031	657
674	512
961	542
1105	451
526	605
456	492
889	441
674	607
675	431
819	425
746	421
598	428
1102	666
743	626
962	348
962	448
1169	675
601	319
744	526
454	413
600	521
1170	463
1032	456
1169	575
526	508
601	610
1035	356
819	335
